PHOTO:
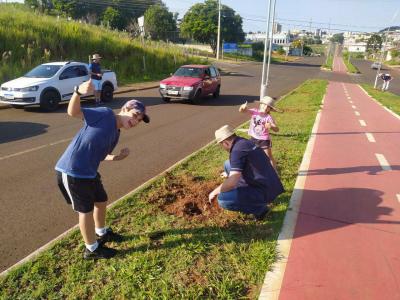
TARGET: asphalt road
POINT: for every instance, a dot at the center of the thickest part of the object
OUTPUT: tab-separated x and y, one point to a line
33	211
368	75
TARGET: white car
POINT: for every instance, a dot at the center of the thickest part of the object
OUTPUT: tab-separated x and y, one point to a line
376	65
50	83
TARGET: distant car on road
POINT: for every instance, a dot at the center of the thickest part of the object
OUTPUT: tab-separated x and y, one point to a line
191	82
50	83
376	65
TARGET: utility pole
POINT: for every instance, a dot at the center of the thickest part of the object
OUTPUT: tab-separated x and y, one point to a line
270	44
263	89
219	28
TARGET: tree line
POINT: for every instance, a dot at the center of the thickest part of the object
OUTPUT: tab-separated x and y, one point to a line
200	23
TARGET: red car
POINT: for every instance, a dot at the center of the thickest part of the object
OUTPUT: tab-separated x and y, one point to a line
191	82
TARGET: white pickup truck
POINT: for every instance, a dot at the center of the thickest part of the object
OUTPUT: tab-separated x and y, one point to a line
50	83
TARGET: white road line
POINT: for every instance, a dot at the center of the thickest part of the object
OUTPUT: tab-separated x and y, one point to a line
353	106
351	102
370	137
398	197
35	149
356	113
362	123
383	162
348	97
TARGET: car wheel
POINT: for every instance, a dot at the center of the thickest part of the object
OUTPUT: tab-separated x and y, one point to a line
216	93
107	93
49	101
196	98
166	99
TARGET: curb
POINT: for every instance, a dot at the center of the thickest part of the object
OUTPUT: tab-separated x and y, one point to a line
117	92
273	279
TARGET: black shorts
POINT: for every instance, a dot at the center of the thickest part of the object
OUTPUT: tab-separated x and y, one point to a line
263	144
82	193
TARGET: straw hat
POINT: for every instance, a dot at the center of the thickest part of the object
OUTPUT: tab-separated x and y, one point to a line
223	133
96	56
269	101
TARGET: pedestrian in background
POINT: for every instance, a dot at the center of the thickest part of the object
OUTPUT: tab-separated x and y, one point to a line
96	76
386	80
77	169
261	123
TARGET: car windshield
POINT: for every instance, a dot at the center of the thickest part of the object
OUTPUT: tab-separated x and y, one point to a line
43	71
189	72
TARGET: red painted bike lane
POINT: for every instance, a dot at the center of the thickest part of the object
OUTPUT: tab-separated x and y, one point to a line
346	243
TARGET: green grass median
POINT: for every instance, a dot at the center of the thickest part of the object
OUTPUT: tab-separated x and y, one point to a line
388	99
176	246
350	67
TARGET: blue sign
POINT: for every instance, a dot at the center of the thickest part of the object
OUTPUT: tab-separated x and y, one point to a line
230	47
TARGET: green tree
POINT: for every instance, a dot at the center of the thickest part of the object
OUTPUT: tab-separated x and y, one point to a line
40	5
159	23
112	18
374	43
66	7
297	44
337	38
201	23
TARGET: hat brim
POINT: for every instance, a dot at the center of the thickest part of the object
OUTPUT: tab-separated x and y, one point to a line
272	107
224	137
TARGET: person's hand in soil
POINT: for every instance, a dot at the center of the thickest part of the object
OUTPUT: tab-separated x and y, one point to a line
211	196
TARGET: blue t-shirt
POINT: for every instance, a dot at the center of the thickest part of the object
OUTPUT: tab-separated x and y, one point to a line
95	68
96	139
255	167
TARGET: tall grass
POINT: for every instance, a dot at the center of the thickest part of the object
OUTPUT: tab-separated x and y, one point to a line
28	38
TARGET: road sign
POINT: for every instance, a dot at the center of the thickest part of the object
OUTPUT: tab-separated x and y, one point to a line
230	47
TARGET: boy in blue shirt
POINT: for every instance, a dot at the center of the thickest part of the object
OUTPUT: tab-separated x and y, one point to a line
77	175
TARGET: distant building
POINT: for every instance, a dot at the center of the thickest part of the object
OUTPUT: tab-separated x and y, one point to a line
318	32
277	28
357	47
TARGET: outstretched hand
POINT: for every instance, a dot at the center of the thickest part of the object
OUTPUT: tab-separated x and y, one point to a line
243	107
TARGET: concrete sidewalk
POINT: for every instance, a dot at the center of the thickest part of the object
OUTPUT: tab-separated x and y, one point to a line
121	90
346	237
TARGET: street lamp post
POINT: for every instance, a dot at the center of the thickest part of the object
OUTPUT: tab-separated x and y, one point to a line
270	44
219	28
263	89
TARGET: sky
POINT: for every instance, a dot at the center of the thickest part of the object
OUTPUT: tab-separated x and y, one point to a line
344	15
338	15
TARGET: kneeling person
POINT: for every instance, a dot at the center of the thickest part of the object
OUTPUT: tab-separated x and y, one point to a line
77	175
252	182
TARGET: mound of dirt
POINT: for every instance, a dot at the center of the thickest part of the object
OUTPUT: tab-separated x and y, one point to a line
187	196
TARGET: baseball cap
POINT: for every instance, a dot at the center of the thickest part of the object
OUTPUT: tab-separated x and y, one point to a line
139	107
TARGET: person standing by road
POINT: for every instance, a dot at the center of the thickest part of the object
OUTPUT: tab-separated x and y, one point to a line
96	76
77	175
251	181
386	80
260	123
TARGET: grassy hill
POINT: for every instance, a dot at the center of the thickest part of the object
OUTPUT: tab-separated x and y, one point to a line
28	39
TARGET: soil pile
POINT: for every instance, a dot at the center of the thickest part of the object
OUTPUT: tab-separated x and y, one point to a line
187	196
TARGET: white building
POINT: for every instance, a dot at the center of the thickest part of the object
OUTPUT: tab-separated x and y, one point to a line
357	47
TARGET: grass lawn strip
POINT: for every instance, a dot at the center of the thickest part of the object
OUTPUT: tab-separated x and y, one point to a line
179	251
350	67
387	99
